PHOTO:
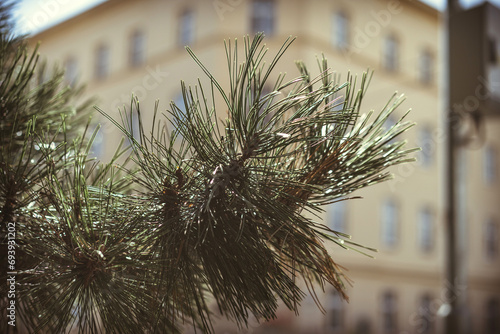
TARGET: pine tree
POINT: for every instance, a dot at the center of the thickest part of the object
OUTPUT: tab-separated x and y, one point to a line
212	205
34	119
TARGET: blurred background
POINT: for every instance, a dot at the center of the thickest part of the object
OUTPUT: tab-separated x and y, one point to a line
124	47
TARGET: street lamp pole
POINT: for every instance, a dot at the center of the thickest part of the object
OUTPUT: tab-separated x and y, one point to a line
451	320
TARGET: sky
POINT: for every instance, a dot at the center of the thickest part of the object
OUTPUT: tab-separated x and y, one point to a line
36	15
441	4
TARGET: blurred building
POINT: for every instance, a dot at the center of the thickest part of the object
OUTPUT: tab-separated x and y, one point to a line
122	47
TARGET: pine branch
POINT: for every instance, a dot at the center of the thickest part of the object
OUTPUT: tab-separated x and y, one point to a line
231	197
28	111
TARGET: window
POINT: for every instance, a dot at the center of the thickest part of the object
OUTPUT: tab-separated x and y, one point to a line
132	119
426	142
102	62
97	145
489	165
340	30
363	325
338	216
337	104
391	53
179	102
180	110
427	316
426	67
389	313
425	229
70	71
186	28
389	123
42	76
389	224
263	16
259	104
491	239
492	318
335	313
493	65
137	48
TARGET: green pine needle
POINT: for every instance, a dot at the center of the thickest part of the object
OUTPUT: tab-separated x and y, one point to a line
233	191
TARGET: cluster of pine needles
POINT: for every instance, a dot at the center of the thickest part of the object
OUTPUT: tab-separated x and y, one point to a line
214	209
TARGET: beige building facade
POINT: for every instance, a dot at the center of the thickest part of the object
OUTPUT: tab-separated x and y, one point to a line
125	47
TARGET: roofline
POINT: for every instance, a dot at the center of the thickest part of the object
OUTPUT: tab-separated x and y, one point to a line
424	7
103	6
107	4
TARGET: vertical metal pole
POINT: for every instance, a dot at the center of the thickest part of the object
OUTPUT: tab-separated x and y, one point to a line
451	320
